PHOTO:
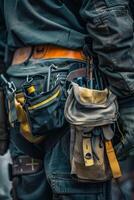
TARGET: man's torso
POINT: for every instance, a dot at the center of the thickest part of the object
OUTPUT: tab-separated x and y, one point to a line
44	22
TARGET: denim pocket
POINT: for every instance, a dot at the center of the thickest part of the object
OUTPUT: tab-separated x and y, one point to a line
66	188
32	186
63	183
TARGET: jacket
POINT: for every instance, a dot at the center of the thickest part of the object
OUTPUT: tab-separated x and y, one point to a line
109	24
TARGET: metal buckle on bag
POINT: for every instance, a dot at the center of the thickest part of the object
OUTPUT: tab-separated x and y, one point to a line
10	92
10	85
49	75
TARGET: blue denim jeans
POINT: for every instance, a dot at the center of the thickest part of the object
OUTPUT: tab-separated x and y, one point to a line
53	181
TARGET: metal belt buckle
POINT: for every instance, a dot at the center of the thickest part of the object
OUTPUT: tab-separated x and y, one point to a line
10	85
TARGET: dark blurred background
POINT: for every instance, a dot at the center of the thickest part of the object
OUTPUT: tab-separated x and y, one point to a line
5	185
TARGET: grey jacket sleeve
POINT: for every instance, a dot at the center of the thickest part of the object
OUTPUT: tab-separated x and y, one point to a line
110	25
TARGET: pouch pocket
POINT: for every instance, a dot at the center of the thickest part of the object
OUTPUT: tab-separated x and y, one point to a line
45	112
88	157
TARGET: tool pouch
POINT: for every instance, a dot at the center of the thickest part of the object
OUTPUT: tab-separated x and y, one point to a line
40	115
4	135
91	114
45	113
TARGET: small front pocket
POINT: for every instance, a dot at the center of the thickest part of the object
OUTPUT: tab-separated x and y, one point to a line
45	112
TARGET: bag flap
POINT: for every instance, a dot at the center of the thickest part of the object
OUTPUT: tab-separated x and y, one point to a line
90	108
86	95
92	98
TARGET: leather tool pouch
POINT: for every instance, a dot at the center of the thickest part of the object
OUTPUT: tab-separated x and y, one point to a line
42	113
91	114
4	135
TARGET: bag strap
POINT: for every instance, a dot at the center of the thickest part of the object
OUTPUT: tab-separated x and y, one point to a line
113	162
22	116
81	72
87	152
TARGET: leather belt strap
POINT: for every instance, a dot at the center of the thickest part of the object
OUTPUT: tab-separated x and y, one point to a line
113	162
46	52
25	128
26	165
81	72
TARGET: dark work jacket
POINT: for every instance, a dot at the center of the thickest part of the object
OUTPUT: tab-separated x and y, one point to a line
66	23
131	5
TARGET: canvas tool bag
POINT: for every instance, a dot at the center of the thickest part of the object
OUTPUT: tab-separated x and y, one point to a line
39	115
91	114
37	105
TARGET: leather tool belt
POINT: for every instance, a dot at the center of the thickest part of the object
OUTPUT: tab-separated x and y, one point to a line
24	165
46	52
